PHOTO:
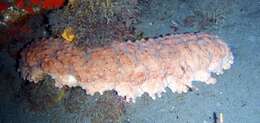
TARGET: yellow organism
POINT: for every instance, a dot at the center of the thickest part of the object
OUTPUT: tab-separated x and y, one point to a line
72	3
69	34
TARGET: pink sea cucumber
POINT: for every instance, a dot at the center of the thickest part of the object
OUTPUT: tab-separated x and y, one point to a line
129	68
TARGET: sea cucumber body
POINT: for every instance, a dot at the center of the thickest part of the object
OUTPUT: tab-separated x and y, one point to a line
129	68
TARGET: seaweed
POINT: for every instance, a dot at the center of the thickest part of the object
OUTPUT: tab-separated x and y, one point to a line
41	96
109	108
206	17
96	22
106	108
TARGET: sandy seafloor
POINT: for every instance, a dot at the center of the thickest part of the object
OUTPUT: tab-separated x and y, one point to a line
236	94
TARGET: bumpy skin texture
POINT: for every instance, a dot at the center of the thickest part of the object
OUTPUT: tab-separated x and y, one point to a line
129	68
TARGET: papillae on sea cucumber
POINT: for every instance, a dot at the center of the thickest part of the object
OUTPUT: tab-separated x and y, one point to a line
129	68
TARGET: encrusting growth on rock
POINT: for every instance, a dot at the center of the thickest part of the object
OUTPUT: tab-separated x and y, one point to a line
129	68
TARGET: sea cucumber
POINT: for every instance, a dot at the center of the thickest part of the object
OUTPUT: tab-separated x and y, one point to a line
130	68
